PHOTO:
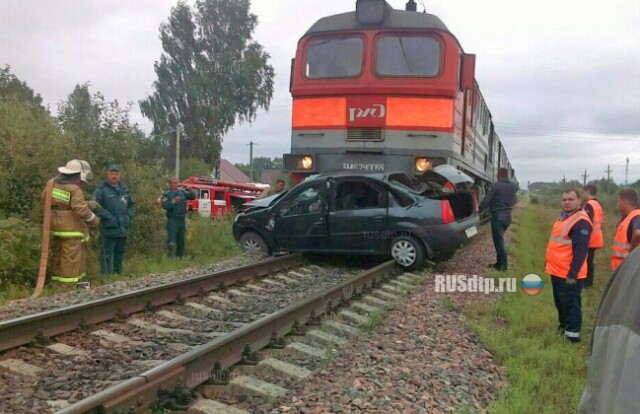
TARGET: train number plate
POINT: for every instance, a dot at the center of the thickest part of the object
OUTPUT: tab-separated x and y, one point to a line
364	166
471	231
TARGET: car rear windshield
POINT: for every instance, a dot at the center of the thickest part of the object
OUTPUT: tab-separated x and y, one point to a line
334	58
408	55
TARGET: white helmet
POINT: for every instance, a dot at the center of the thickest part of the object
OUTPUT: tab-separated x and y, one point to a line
86	173
77	167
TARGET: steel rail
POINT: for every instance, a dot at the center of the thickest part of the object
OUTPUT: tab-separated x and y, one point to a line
196	366
23	330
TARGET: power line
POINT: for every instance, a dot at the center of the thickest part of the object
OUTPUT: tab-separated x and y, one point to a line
524	135
530	126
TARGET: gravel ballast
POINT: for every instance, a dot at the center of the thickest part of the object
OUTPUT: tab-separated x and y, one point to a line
421	359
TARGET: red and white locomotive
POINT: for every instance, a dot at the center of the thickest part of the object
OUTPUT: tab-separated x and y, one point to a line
381	89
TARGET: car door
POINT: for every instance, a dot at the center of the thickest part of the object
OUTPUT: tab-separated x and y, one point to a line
358	215
300	221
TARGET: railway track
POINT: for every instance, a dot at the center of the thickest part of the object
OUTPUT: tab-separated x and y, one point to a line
144	345
146	342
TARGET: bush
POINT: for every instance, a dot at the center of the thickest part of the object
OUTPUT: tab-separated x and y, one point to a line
206	237
194	166
20	246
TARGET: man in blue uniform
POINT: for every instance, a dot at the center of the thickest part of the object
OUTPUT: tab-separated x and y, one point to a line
175	202
500	201
116	212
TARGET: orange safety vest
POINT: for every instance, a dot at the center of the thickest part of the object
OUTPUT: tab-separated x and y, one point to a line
560	249
597	240
621	247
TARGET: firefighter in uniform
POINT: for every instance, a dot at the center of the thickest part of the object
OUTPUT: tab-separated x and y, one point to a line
595	212
567	252
627	235
70	215
174	202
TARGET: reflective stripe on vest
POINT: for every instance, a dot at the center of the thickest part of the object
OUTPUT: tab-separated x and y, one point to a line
61	195
69	234
621	246
67	279
597	238
560	250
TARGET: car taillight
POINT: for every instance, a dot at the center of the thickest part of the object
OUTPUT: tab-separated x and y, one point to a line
447	212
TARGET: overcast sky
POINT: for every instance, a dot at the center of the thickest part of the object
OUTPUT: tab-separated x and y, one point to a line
561	78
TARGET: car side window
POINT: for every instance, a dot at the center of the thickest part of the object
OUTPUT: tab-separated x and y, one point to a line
306	202
356	195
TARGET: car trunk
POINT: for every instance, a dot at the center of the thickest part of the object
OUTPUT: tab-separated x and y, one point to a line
445	182
462	203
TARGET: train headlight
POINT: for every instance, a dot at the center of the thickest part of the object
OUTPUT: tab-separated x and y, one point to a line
307	162
422	164
370	11
304	163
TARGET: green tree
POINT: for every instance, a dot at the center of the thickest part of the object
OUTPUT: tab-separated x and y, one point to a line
12	88
261	164
97	130
29	146
193	166
211	75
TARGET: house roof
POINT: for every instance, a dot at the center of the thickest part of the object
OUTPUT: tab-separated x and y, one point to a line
233	172
270	176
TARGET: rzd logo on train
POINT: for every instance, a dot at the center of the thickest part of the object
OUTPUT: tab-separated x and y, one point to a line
376	111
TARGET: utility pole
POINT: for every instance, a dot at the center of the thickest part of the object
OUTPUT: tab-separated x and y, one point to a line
584	178
626	174
608	171
178	152
251	144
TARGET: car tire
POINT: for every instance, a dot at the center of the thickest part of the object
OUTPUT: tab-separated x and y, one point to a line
252	243
408	252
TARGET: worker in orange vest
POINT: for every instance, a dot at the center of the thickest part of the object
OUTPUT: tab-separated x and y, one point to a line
627	235
567	252
594	210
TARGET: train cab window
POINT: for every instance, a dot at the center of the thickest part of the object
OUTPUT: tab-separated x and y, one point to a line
334	58
407	56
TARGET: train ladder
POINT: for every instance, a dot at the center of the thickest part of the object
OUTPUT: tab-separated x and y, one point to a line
44	247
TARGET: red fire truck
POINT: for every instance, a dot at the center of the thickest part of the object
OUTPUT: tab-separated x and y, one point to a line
215	198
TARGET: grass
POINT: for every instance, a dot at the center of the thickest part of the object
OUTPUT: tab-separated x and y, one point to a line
374	320
546	374
207	241
448	304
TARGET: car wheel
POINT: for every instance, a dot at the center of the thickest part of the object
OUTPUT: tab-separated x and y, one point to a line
254	243
408	253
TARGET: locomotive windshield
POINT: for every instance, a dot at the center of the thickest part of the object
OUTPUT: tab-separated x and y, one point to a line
407	56
334	58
